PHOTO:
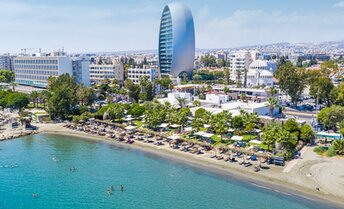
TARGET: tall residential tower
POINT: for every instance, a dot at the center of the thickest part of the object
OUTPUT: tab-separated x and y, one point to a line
176	40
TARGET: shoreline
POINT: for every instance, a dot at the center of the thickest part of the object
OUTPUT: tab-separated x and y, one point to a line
225	169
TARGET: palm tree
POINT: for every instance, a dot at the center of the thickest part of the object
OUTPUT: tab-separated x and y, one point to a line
14	84
338	146
272	103
238	79
272	91
243	97
34	97
245	77
181	102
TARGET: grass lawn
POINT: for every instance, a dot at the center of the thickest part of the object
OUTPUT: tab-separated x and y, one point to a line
248	137
139	123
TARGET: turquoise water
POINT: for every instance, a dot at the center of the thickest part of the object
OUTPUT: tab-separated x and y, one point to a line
149	181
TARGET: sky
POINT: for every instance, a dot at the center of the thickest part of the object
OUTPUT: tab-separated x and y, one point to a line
122	25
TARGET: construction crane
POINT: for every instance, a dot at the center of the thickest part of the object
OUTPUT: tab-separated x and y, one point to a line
29	49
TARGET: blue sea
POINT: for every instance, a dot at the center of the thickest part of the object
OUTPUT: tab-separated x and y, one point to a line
40	164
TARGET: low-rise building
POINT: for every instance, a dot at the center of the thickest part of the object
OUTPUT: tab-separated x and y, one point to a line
102	72
135	74
259	74
35	70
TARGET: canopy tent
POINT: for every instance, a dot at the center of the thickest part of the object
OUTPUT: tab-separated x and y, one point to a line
237	138
163	125
203	134
231	130
174	137
208	135
188	129
255	141
128	119
130	128
323	134
207	126
174	126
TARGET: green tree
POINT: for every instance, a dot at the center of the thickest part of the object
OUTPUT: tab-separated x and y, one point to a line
196	103
226	90
136	110
34	98
292	127
62	99
17	100
86	95
292	80
116	111
321	87
227	75
209	61
269	135
307	133
338	147
6	76
237	122
220	122
133	90
330	117
272	103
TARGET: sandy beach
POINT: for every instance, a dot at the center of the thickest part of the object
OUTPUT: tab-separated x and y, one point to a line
302	177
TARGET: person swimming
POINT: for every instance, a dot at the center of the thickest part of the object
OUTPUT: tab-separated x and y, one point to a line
121	188
35	195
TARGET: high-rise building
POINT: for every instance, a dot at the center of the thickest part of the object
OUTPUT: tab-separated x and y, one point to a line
35	70
81	70
6	62
176	40
240	61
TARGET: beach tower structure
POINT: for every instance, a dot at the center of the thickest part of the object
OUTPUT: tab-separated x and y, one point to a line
176	40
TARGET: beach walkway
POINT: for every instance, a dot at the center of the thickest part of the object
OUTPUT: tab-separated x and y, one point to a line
292	163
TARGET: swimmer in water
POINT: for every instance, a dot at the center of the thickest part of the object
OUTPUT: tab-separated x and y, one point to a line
121	188
35	195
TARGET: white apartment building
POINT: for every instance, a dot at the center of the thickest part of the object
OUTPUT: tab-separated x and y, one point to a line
81	70
135	74
239	62
35	70
100	72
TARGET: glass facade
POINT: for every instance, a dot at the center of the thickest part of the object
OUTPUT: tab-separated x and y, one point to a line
165	42
176	40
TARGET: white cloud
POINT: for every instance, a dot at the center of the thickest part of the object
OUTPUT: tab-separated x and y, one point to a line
78	28
248	27
339	5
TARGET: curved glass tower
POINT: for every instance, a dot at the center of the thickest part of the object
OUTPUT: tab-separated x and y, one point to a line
176	40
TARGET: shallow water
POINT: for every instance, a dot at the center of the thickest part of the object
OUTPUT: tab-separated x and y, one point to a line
40	164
